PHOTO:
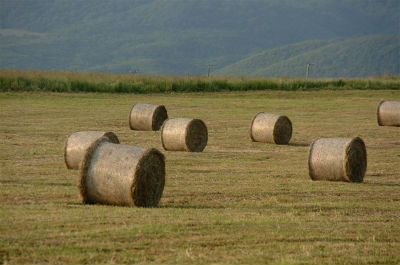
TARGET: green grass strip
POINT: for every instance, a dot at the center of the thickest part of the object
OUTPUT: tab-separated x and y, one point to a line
108	83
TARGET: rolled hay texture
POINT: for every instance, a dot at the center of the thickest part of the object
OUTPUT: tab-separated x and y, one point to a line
147	117
389	113
271	128
122	175
182	134
338	159
79	142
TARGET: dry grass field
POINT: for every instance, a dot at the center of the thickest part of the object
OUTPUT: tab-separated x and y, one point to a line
236	202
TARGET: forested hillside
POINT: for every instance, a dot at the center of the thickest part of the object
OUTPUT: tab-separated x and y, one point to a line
351	57
176	37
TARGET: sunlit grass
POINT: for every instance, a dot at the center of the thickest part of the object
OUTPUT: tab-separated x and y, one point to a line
237	202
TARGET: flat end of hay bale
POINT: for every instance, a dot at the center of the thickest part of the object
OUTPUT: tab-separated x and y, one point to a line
65	150
356	160
84	168
149	179
130	118
112	137
282	130
159	116
380	123
251	127
196	136
161	135
310	165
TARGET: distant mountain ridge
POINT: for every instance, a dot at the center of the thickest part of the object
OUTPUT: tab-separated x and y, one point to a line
175	37
351	57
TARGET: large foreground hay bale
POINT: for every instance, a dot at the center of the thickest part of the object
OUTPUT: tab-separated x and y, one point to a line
182	134
147	117
338	159
123	175
271	128
389	113
77	144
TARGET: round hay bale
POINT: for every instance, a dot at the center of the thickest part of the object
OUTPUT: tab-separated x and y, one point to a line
122	175
338	159
389	113
271	128
147	117
77	144
182	134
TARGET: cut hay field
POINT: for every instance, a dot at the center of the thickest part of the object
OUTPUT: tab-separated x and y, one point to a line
236	202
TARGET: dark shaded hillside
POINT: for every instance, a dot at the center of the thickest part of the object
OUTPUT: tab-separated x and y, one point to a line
355	57
175	36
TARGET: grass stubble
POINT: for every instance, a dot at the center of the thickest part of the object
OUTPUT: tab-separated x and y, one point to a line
236	202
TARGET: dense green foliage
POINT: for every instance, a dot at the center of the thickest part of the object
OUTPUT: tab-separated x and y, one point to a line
86	82
178	37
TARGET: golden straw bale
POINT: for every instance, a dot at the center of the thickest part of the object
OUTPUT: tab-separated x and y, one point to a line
271	128
77	144
182	134
147	117
338	159
122	175
389	113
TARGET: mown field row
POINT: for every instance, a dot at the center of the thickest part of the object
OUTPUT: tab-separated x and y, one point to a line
237	202
53	81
